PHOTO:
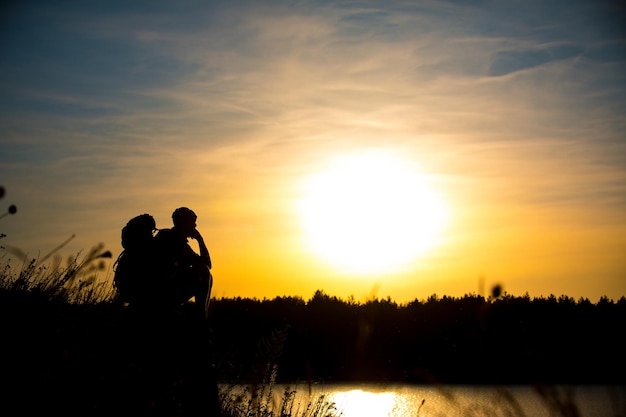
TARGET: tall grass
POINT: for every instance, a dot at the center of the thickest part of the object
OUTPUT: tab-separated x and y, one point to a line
76	282
259	399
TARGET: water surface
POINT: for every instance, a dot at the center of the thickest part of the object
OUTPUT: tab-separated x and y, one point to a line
376	400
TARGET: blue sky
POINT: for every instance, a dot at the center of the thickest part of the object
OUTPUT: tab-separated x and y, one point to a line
111	109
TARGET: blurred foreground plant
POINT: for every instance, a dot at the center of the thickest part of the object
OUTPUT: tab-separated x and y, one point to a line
75	282
258	399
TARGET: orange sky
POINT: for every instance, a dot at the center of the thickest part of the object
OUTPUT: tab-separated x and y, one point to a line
513	114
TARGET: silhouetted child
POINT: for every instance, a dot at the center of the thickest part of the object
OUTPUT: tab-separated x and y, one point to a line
188	271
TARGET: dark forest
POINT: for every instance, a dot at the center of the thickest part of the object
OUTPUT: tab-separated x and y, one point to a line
467	340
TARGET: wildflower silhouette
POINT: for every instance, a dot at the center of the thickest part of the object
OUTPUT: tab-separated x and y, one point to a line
12	210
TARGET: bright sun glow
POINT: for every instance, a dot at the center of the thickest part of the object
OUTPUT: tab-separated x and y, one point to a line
357	403
371	213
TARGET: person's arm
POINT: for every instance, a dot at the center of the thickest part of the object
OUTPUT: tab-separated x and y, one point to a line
204	252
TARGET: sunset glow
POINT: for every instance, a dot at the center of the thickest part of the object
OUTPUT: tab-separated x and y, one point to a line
370	213
358	403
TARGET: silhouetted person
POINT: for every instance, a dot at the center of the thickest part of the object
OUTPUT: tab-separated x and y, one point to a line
190	276
135	277
187	271
170	354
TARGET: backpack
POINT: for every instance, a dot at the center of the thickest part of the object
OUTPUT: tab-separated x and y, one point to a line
138	232
133	264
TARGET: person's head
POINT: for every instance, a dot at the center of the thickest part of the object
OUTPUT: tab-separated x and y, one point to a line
185	220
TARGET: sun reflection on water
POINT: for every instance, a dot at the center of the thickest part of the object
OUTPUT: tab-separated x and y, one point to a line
358	403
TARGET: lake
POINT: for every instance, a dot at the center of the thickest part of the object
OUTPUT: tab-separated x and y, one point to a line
376	400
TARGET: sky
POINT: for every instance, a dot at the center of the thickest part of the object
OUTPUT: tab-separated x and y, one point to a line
511	113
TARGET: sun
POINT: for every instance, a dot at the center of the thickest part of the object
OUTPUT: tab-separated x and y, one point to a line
371	213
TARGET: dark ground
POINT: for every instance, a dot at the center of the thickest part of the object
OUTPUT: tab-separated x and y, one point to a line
101	359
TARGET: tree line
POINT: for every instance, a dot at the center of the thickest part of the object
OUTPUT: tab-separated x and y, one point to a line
471	339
